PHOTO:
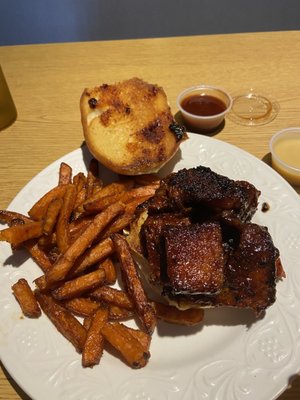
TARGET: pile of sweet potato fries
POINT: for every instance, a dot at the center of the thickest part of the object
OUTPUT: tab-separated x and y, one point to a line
74	234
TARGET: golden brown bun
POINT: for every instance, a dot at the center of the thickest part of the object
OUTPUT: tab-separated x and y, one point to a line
127	126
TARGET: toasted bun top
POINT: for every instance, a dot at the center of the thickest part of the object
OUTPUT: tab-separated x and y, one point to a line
129	127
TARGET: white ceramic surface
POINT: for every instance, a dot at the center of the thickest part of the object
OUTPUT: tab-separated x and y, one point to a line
229	356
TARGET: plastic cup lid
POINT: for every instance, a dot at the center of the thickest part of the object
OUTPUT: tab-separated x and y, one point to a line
253	108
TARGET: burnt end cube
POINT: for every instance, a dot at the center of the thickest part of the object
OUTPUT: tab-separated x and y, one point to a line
250	271
151	235
195	258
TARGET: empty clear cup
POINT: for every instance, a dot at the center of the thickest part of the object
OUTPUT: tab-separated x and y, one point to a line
253	108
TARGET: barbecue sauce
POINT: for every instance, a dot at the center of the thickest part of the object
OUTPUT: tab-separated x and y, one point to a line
203	105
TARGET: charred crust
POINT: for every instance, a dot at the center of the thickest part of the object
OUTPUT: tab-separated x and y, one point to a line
247	260
154	132
93	102
105	117
153	89
118	105
161	154
136	364
178	130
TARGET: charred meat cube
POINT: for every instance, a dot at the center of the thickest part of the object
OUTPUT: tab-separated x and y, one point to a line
251	271
201	187
250	274
151	239
195	258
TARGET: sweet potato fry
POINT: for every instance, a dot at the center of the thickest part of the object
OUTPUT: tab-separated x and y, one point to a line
173	315
110	271
80	181
144	308
71	232
51	216
47	242
107	195
17	221
39	256
7	216
128	346
65	174
112	188
93	255
143	338
94	344
119	314
63	320
64	264
119	224
93	182
131	206
102	203
62	225
114	296
18	234
26	299
79	286
39	209
97	253
78	208
52	252
41	283
77	227
87	321
143	191
125	196
81	306
125	219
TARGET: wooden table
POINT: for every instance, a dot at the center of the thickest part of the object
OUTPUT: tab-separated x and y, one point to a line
46	82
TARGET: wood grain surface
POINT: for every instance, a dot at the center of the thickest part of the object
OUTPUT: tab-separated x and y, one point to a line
46	82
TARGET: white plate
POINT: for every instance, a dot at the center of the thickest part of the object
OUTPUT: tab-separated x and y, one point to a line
230	356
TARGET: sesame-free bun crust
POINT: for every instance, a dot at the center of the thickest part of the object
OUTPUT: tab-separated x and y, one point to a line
127	126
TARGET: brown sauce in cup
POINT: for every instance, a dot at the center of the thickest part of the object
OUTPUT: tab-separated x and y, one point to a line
203	105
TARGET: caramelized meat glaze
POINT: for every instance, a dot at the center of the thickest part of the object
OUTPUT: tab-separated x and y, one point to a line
201	245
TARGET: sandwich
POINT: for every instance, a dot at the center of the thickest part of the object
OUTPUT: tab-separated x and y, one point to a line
197	246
